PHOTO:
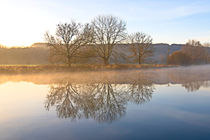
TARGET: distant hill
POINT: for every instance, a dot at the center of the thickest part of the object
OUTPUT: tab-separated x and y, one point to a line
159	52
29	55
38	53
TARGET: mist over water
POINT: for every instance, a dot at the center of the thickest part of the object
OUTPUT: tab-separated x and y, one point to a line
164	103
176	75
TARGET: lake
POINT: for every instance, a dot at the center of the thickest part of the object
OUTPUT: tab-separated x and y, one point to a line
166	103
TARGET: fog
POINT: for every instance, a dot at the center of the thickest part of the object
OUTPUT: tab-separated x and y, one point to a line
176	75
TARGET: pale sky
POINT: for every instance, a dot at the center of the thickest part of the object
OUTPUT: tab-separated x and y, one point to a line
24	22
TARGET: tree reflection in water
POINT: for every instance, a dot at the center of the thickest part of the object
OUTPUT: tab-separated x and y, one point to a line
103	102
105	99
71	100
141	91
195	86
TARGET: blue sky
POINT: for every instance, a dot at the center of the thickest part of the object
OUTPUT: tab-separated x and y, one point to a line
24	22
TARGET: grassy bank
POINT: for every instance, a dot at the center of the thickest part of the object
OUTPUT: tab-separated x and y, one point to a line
74	67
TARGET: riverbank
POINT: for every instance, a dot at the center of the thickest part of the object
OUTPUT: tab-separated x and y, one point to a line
10	69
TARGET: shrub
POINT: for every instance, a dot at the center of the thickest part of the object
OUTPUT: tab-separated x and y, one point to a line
179	58
198	53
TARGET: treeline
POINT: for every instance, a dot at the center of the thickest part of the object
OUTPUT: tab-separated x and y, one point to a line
193	52
73	41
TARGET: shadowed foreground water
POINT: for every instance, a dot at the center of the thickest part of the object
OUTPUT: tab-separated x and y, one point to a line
148	104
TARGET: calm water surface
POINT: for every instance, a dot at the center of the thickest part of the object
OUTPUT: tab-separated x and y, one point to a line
169	105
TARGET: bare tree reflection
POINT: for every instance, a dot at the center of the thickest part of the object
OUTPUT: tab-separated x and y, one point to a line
110	103
141	89
103	102
70	100
195	86
191	81
141	93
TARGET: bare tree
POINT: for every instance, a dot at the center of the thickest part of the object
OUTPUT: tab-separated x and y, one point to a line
108	31
68	40
196	51
140	46
193	43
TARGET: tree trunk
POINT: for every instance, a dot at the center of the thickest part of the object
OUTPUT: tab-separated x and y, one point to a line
69	65
106	61
140	60
69	62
